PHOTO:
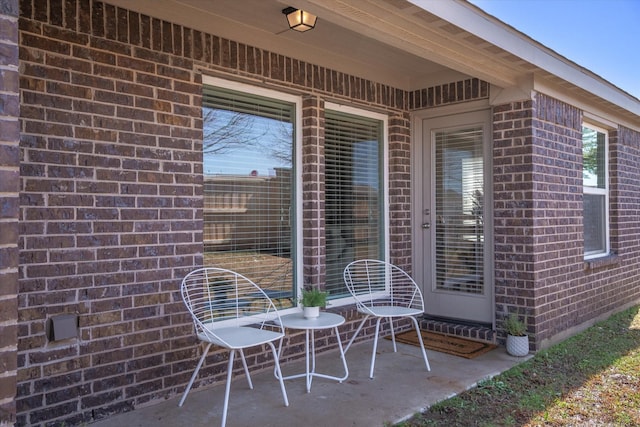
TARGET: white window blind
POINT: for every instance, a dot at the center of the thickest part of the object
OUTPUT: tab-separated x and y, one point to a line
248	187
353	191
460	210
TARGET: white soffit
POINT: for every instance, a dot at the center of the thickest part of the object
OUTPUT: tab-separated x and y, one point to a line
412	29
408	44
261	24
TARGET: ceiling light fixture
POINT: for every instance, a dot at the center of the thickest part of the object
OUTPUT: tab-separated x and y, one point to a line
299	20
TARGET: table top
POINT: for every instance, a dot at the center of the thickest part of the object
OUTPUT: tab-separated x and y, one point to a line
325	320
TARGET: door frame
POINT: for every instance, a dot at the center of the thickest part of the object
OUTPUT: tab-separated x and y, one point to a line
417	156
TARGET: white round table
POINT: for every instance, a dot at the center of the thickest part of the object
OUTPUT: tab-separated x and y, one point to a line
323	321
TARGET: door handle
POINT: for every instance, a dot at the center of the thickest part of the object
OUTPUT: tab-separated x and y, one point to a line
426	225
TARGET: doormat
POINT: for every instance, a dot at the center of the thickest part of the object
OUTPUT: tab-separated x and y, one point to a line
446	343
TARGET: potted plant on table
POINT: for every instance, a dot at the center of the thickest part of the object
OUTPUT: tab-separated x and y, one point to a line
517	339
312	299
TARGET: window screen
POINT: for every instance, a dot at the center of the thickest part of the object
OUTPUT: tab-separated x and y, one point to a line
353	190
248	187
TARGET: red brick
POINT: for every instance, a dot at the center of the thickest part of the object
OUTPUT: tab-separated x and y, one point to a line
120	197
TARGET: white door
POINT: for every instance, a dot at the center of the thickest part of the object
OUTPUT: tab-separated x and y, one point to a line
453	216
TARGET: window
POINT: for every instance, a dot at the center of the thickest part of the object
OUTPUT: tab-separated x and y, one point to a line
354	193
595	175
249	185
459	202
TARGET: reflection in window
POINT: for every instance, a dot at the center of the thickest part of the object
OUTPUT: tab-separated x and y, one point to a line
248	187
596	192
460	211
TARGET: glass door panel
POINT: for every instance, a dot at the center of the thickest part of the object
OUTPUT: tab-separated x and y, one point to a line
459	210
453	247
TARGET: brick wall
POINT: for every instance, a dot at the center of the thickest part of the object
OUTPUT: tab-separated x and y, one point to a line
624	148
111	202
111	212
111	197
619	276
449	93
537	212
513	195
9	187
400	233
539	260
557	215
313	174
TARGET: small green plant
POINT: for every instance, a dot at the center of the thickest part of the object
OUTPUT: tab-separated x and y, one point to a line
313	297
514	326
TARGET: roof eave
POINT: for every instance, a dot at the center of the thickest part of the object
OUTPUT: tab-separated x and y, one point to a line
475	21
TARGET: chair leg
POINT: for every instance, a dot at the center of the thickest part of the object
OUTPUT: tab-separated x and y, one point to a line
228	387
195	374
246	370
278	373
424	353
356	334
375	347
393	335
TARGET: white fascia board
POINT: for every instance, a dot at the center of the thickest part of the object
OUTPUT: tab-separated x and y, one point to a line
473	20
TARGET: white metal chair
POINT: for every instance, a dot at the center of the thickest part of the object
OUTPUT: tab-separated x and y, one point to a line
231	311
384	291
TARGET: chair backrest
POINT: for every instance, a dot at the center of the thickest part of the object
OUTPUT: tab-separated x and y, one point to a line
376	283
221	298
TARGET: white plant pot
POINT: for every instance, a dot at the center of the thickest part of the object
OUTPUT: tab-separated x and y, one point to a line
517	346
310	312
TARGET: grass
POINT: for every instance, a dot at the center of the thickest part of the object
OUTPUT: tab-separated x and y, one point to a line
591	379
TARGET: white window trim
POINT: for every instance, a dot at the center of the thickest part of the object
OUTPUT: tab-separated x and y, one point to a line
385	178
601	191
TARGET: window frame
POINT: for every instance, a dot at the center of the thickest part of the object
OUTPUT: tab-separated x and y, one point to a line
589	255
297	223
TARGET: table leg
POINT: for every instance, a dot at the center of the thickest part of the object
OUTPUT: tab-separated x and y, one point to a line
310	360
311	353
344	359
310	373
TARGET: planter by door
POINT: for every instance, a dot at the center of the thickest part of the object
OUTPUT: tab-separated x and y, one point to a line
517	346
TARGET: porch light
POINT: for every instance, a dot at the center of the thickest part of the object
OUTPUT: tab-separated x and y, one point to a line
299	20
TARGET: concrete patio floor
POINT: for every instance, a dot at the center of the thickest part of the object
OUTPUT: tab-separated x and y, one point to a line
402	386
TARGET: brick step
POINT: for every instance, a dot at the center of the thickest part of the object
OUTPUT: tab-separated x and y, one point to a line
472	331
